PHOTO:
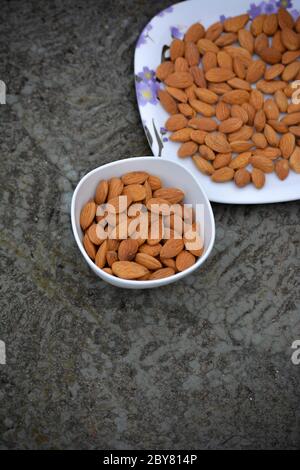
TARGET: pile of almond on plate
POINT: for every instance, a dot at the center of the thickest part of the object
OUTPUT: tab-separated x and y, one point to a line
232	96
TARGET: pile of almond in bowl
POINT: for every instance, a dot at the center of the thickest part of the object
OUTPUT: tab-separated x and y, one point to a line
136	229
231	92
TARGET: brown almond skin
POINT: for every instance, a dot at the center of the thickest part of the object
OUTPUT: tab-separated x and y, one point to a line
127	249
184	260
242	177
164	69
101	192
195	32
221	160
258	178
176	49
171	248
148	261
287	145
89	246
176	122
162	273
129	270
167	102
282	169
240	161
87	215
223	175
262	163
187	149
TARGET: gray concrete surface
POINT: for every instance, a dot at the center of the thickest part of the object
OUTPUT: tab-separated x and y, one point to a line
205	363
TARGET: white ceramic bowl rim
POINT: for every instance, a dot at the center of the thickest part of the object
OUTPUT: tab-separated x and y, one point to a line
132	283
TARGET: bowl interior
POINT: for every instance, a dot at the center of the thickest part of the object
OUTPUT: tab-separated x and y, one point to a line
172	175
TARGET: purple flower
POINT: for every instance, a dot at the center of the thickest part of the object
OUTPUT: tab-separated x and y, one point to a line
165	139
166	10
163	130
146	93
223	18
175	33
284	4
254	10
146	75
295	14
269	7
141	40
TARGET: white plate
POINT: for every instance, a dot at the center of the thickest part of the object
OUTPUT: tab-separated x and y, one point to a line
151	45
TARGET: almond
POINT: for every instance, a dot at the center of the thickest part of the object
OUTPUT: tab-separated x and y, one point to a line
226	39
194	32
241	53
182	135
241	161
203	165
158	206
223	175
181	65
205	45
246	40
219	88
258	178
127	249
285	19
209	61
111	257
221	160
172	248
239	84
282	169
242	177
184	260
278	126
274	71
230	125
295	160
198	136
259	140
203	124
270	55
239	68
287	145
177	93
260	120
137	192
257	25
176	49
153	250
168	262
291	71
236	97
205	109
217	75
290	56
222	111
162	273
269	152
155	182
206	95
89	246
277	43
148	261
271	136
241	146
262	163
271	110
291	119
281	101
167	102
93	234
164	69
198	76
224	60
87	215
107	270
217	142
214	31
191	53
186	110
245	133
255	71
128	270
206	152
290	39
176	122
101	192
119	204
100	259
256	99
179	80
236	23
135	177
269	88
270	25
295	130
187	149
172	195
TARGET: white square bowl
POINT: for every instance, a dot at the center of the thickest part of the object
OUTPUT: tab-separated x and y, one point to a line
172	174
